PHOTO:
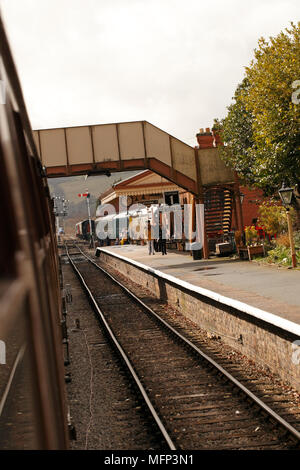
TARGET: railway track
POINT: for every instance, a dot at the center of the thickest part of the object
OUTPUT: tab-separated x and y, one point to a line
195	402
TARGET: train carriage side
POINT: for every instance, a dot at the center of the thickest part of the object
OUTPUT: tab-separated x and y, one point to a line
32	392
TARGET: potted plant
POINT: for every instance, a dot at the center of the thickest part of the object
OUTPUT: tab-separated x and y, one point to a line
254	247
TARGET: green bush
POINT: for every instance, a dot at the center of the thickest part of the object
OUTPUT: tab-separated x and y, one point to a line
281	254
273	218
297	240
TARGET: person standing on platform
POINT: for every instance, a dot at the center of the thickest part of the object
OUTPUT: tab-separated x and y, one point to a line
162	242
150	240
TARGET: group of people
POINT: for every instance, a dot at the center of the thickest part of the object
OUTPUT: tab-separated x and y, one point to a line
156	244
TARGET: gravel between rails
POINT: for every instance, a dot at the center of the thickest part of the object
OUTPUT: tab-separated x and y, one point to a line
104	408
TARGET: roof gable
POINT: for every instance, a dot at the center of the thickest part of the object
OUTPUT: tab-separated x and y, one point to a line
146	177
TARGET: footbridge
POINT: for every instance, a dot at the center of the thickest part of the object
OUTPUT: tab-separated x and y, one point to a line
123	146
139	145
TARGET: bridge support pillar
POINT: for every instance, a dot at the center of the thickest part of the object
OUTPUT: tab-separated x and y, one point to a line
199	200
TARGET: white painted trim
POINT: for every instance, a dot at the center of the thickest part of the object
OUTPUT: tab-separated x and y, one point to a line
275	320
129	177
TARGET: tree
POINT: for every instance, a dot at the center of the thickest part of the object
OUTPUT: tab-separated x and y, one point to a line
262	129
273	218
237	134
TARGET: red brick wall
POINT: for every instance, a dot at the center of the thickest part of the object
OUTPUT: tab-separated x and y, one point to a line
252	200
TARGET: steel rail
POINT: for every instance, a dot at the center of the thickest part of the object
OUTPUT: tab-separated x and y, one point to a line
121	351
281	421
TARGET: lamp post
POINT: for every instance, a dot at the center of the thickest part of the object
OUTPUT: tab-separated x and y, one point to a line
286	194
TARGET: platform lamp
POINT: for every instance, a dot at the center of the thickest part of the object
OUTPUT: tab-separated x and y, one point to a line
286	194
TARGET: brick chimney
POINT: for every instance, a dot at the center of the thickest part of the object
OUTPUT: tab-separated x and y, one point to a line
209	138
205	138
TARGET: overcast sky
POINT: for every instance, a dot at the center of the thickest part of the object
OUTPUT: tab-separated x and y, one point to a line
173	63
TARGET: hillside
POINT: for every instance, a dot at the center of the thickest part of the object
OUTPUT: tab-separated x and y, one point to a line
70	187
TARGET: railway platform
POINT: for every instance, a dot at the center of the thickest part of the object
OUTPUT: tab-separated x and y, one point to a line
267	288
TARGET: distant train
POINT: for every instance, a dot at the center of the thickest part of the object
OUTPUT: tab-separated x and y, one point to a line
82	229
132	226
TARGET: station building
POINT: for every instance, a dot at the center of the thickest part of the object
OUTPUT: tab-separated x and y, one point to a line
222	215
